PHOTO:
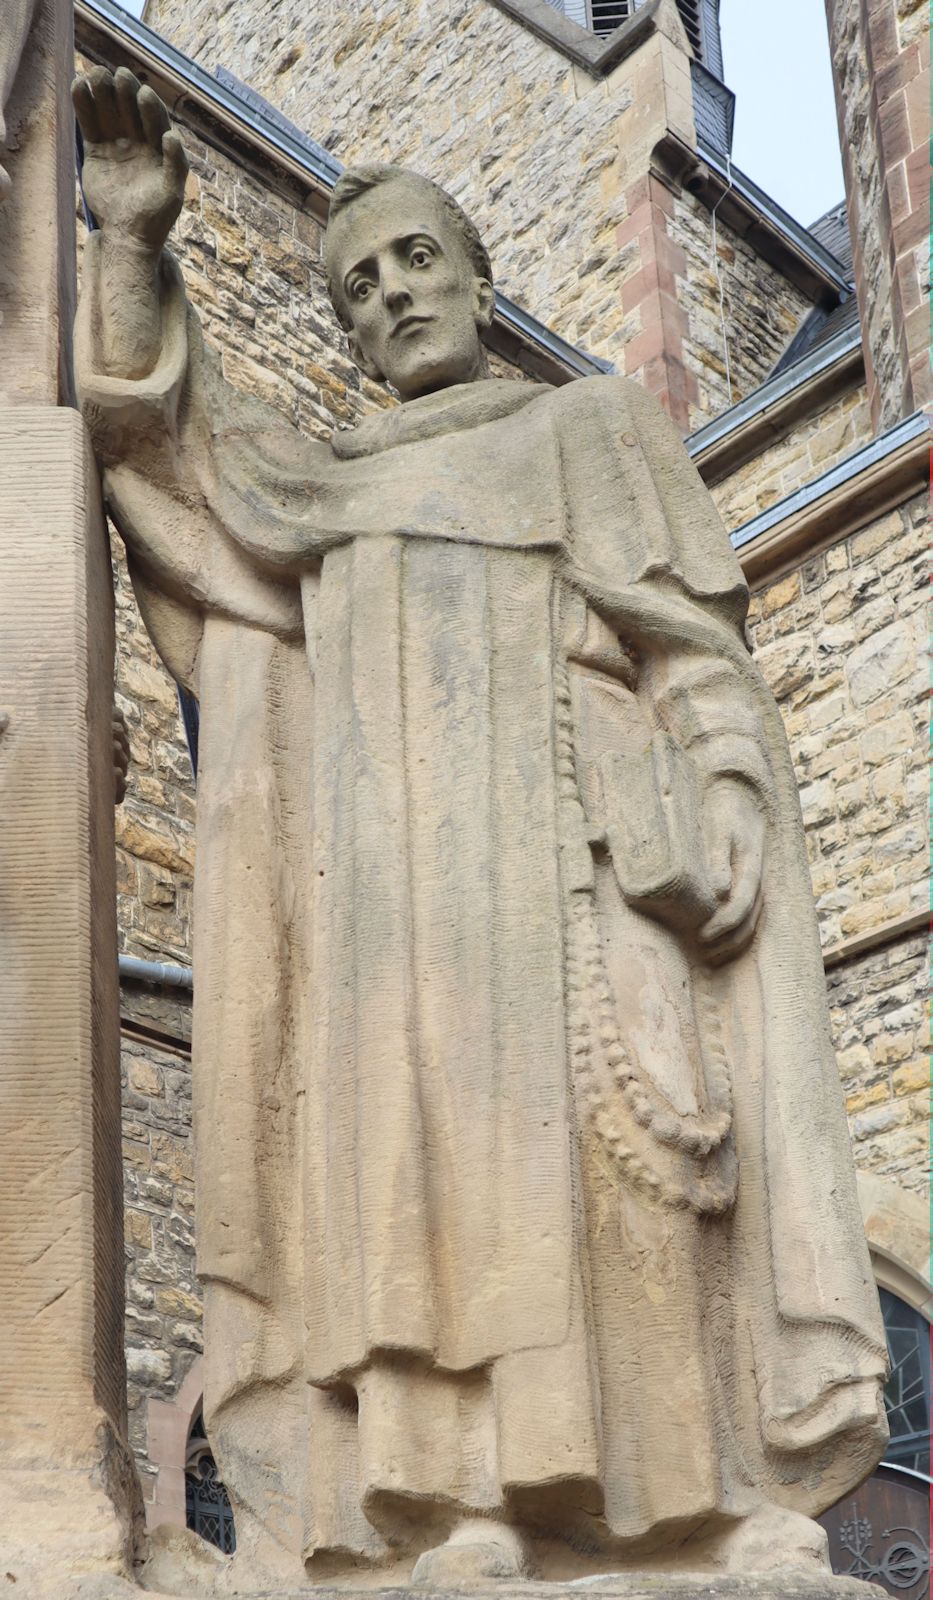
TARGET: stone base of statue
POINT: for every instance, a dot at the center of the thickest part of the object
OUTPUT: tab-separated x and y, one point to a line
182	1566
787	1585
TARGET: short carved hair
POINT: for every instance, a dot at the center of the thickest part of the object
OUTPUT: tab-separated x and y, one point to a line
357	181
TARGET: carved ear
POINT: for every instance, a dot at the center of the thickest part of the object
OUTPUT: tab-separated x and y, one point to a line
363	361
484	302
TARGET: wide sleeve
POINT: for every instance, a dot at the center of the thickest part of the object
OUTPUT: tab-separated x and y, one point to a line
647	546
704	702
160	441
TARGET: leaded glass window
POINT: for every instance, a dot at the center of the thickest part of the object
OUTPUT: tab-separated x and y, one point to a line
207	1507
907	1392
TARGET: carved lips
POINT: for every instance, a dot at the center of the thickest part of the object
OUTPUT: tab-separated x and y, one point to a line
409	324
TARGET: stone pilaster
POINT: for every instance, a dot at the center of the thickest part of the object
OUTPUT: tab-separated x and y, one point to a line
67	1488
881	66
66	1483
37	219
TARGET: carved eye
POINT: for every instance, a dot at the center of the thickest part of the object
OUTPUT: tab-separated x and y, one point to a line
420	257
360	289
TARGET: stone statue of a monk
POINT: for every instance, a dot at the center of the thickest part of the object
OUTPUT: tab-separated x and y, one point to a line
526	1214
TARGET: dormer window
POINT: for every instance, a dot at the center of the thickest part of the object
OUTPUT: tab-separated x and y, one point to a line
700	19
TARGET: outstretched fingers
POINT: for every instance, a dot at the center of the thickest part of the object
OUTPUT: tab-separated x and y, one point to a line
153	117
86	111
126	91
173	157
105	101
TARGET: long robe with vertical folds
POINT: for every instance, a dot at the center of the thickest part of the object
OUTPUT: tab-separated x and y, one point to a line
507	1202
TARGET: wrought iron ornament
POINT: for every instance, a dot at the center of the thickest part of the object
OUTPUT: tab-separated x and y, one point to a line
897	1557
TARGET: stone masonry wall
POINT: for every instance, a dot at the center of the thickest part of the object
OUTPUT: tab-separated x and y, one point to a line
815	445
878	1006
732	303
551	163
163	1300
155	823
526	142
881	65
842	642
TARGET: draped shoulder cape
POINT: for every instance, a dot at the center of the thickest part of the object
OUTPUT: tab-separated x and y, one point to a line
373	627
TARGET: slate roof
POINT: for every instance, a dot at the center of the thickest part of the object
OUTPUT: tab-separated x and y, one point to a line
832	231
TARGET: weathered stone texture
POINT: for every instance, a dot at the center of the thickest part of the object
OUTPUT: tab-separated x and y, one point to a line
881	63
155	824
252	265
550	162
739	313
528	143
61	1371
523	139
842	643
163	1300
878	1005
812	447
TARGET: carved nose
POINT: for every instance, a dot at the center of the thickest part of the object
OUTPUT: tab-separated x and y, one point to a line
396	296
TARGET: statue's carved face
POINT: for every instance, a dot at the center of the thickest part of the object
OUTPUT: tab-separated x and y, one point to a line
410	290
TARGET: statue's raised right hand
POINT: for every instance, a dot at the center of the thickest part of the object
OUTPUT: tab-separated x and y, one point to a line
134	164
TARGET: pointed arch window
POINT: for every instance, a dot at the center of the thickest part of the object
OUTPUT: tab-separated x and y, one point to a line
907	1392
208	1511
881	1532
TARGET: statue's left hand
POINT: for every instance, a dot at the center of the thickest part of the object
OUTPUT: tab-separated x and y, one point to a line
734	834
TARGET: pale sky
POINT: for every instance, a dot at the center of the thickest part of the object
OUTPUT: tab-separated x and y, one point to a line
777	63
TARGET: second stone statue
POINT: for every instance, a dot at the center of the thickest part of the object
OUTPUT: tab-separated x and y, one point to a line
525	1213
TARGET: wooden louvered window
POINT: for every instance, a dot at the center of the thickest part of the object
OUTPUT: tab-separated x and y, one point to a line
607	15
690	16
602	17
